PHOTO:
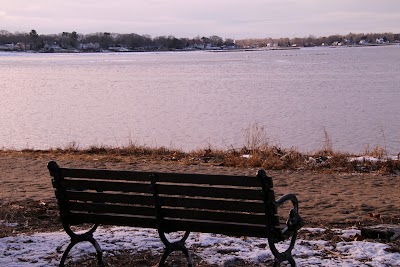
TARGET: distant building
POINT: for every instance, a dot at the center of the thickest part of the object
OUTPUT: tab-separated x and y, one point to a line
89	47
7	47
52	48
118	49
230	46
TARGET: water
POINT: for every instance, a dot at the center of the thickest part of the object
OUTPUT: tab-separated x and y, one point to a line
191	100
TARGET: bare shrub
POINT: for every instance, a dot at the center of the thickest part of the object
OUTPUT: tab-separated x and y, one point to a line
293	159
377	152
327	147
255	137
72	147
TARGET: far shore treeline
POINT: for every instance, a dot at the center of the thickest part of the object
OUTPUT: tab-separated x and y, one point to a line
100	41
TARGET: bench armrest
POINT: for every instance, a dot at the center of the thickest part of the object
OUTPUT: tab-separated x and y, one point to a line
286	198
294	222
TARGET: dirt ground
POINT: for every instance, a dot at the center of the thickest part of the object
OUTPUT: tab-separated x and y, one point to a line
331	198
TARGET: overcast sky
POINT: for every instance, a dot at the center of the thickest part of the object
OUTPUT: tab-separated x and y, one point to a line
185	18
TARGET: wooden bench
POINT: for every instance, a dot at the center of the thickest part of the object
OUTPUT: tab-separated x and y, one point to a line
170	202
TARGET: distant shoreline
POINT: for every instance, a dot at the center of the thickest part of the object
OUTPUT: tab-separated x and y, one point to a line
197	50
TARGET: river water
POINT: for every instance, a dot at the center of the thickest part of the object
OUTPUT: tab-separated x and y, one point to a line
191	100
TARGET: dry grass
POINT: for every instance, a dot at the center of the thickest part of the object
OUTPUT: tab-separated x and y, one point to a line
257	151
267	157
376	151
272	158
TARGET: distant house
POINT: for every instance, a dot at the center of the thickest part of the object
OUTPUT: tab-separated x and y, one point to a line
230	46
51	48
7	47
118	49
89	47
199	45
20	46
337	43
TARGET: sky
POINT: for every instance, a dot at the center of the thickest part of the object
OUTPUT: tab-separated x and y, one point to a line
236	19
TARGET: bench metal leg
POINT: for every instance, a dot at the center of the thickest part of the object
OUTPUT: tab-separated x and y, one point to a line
77	238
285	255
175	246
293	224
169	246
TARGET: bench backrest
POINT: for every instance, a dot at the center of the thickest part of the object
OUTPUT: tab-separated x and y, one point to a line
233	205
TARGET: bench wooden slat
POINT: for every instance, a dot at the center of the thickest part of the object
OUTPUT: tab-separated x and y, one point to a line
100	208
213	204
81	185
172	225
106	174
211	192
148	200
180	190
221	216
223	180
225	228
163	177
138	221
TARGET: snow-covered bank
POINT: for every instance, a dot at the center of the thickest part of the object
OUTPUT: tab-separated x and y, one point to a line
45	249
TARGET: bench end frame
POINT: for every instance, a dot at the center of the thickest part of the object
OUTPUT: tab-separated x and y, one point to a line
55	172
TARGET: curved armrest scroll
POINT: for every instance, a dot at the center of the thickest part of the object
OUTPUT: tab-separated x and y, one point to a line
286	198
295	222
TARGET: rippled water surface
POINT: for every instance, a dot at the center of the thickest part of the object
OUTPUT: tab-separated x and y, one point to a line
191	100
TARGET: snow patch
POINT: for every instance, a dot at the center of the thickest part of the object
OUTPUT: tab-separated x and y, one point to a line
45	249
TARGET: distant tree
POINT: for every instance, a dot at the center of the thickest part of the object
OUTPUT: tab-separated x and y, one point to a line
4	36
106	40
73	39
136	41
161	42
35	39
333	38
50	38
284	42
205	40
298	41
216	40
69	39
229	41
132	40
309	41
93	38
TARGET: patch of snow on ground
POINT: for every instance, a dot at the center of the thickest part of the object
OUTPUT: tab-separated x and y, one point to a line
347	233
45	249
372	159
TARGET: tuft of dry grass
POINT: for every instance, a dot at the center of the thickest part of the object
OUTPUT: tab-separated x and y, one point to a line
376	151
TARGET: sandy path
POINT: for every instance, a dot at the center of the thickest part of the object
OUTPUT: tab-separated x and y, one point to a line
323	197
